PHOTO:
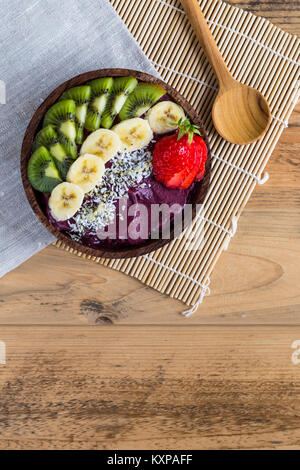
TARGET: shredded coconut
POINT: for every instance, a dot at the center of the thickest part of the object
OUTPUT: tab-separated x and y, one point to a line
126	170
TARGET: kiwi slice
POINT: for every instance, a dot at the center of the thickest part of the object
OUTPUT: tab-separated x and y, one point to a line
81	95
140	100
121	89
48	138
42	172
99	97
62	117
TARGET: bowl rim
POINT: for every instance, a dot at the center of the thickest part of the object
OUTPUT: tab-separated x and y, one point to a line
32	128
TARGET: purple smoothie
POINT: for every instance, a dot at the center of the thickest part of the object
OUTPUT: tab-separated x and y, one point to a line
153	193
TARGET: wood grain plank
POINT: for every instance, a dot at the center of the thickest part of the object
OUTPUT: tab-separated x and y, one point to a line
285	14
222	379
154	388
255	282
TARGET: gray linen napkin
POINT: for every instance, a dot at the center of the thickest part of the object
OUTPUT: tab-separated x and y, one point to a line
44	43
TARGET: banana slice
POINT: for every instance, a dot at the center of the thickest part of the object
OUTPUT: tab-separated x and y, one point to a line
65	201
162	114
86	172
134	133
104	143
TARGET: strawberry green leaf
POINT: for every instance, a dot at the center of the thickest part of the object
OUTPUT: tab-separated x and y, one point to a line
186	127
181	133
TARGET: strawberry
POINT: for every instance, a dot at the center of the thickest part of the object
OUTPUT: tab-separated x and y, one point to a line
202	149
179	159
201	171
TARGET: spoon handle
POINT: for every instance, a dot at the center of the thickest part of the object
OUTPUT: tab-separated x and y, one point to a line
208	43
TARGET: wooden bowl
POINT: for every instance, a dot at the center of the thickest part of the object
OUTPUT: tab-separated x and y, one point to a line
197	195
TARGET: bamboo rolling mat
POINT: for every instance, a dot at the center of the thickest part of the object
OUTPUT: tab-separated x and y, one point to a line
258	54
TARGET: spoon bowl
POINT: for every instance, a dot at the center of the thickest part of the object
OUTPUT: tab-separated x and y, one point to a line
241	114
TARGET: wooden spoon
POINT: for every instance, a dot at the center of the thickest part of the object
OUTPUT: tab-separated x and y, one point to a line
240	113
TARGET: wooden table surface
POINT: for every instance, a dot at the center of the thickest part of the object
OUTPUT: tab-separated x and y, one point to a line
96	360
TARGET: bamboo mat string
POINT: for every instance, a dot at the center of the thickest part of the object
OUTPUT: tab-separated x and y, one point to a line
230	233
257	53
184	75
204	292
259	179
